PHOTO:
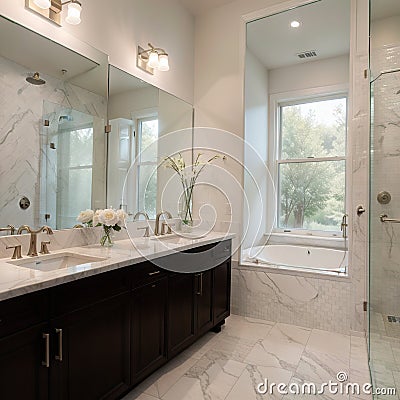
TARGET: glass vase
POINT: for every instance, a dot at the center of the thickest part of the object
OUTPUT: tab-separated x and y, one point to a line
187	212
107	238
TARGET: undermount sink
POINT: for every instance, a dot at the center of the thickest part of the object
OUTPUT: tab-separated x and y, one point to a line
53	262
168	239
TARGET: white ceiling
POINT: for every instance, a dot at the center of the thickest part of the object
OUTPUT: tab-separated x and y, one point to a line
197	7
325	28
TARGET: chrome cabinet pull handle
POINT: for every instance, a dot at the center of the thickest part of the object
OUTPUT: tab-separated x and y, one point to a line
199	284
46	362
59	356
154	273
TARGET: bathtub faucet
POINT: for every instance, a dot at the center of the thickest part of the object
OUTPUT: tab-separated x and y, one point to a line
343	226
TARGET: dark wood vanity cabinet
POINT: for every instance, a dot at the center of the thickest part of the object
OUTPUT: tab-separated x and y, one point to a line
90	351
22	375
96	338
221	293
204	301
181	312
148	323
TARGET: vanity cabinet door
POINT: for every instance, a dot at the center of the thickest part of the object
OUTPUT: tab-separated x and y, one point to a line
204	301
149	310
181	312
22	374
91	353
222	292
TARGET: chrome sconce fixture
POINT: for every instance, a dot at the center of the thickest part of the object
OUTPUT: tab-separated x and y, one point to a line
152	58
51	9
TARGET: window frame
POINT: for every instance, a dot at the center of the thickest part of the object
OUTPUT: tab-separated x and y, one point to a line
139	162
63	170
277	101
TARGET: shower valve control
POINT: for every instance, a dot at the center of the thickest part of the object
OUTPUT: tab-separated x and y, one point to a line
384	197
360	210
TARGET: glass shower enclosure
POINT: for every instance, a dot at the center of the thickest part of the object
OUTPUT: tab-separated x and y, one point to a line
384	270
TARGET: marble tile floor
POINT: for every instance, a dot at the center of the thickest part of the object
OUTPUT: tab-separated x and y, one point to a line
385	353
230	364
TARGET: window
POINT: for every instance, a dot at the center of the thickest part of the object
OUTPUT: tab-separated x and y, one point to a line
311	164
75	166
147	165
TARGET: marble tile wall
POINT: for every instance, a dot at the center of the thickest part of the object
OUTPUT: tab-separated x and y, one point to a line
385	237
21	108
305	301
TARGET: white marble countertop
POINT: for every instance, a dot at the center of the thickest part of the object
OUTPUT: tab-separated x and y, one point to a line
16	280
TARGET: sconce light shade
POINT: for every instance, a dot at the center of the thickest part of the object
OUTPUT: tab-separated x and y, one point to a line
74	13
43	4
163	62
153	59
52	10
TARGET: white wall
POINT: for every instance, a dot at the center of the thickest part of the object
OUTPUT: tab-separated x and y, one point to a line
318	73
117	30
385	31
175	135
123	105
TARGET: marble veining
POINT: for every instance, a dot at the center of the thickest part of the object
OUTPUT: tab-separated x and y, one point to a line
15	281
21	110
310	302
217	372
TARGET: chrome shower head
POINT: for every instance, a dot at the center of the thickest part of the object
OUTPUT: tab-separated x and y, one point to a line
35	79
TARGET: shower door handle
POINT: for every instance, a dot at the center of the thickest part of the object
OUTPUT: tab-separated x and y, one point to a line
384	218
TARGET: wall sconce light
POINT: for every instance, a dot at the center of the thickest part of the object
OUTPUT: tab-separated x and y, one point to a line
152	58
51	9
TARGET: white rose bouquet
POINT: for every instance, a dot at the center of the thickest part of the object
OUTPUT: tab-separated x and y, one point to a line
109	219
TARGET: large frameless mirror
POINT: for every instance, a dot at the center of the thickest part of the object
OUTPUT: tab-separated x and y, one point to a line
147	125
52	139
296	99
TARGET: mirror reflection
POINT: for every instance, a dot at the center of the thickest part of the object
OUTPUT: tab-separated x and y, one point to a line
296	102
147	124
52	141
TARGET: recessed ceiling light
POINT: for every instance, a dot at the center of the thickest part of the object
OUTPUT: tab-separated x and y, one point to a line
295	24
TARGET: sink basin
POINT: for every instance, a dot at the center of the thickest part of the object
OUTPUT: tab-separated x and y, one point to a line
168	239
53	262
175	239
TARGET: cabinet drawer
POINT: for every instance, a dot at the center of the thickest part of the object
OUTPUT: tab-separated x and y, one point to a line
222	251
145	273
22	312
87	291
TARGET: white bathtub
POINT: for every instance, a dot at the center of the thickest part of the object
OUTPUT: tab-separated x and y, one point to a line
311	258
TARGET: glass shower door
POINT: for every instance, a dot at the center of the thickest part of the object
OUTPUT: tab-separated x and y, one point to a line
384	271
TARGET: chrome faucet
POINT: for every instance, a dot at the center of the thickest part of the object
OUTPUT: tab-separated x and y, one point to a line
139	213
157	226
32	252
344	225
10	228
